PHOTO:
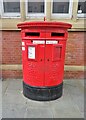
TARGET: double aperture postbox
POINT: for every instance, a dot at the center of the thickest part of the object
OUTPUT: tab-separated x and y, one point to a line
43	54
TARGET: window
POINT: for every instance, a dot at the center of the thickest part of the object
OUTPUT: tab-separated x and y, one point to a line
81	8
35	8
62	8
11	8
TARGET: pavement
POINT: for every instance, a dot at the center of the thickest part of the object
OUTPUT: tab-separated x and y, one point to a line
15	105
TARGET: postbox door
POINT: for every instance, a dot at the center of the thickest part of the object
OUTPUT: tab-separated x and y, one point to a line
53	63
34	66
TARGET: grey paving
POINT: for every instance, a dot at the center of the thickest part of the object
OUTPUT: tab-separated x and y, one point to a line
38	112
14	110
5	84
70	105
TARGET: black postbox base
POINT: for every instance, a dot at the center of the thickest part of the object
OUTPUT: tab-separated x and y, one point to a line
42	93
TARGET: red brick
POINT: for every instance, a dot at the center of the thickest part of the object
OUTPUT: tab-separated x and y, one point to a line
74	75
11	74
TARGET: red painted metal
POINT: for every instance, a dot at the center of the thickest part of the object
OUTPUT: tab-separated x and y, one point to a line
47	69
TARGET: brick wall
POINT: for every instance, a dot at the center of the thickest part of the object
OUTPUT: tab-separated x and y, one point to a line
75	49
11	53
11	47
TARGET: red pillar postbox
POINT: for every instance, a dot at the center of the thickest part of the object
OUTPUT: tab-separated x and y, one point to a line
43	54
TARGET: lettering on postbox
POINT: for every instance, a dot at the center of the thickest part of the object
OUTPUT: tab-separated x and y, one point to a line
51	42
31	52
38	42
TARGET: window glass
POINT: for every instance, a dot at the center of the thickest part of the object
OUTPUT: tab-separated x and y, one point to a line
11	6
61	7
82	6
36	6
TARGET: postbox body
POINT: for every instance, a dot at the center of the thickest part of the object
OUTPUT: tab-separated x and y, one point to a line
43	55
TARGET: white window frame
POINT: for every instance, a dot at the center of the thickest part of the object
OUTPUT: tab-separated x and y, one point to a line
82	15
62	15
9	14
0	9
35	15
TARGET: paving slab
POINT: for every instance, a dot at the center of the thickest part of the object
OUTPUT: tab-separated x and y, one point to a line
13	93
65	109
76	90
41	112
38	104
5	84
13	97
15	84
14	110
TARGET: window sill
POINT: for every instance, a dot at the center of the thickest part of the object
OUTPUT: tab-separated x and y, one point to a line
10	17
11	23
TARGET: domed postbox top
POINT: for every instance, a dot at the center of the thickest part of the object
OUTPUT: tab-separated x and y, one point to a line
44	24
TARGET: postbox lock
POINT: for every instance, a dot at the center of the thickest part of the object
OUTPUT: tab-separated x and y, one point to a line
47	59
41	60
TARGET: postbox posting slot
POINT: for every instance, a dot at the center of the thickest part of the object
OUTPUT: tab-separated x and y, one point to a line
32	34
54	34
57	52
